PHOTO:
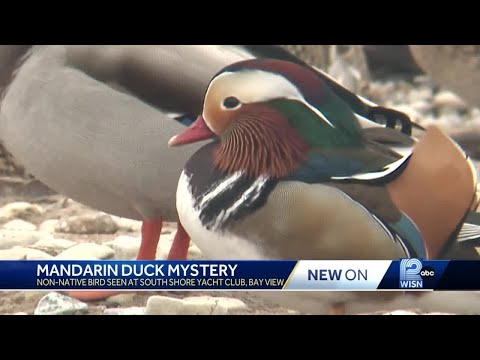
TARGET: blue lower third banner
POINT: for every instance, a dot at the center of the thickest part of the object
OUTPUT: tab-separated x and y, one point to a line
304	275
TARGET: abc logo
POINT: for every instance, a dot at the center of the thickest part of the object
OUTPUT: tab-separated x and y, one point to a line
427	272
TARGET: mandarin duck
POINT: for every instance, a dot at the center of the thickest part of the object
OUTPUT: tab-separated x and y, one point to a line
291	174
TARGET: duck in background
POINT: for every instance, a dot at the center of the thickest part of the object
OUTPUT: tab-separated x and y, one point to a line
291	174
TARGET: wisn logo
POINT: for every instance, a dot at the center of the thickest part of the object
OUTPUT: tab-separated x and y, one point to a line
412	273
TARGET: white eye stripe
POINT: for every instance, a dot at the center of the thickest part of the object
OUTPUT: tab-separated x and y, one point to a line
253	86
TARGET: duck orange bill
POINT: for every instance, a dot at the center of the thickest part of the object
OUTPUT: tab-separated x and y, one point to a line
198	131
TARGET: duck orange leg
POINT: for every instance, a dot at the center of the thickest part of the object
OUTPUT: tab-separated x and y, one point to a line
180	245
151	230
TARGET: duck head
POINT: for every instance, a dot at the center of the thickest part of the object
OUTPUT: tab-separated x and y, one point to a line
267	115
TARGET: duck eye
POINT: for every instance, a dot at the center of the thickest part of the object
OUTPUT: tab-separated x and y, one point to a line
231	102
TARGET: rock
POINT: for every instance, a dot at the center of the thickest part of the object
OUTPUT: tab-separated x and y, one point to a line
57	304
15	253
424	80
34	254
20	210
128	225
53	246
475	113
194	253
380	91
231	305
437	313
32	296
195	305
86	251
22	253
422	93
449	118
448	99
413	312
164	305
134	310
421	106
11	238
88	224
49	225
16	313
400	92
19	225
120	300
400	312
125	247
169	227
164	246
16	297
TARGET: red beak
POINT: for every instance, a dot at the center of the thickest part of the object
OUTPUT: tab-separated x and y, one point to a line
198	131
